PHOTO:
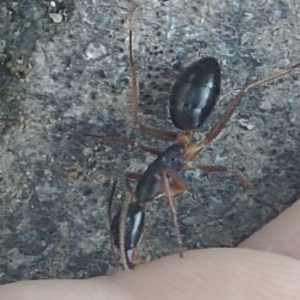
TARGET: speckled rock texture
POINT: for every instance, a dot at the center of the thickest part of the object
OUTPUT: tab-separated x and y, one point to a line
71	74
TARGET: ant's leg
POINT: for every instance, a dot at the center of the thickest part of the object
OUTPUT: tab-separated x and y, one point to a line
196	148
232	107
183	138
110	201
170	200
178	187
210	169
117	140
122	226
134	89
122	232
161	134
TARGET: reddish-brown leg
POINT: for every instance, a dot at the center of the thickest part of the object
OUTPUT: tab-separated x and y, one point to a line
110	204
177	188
134	89
178	185
209	169
181	137
122	229
161	134
124	208
118	140
196	148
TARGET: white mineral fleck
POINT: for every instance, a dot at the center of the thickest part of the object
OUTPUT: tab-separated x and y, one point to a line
56	18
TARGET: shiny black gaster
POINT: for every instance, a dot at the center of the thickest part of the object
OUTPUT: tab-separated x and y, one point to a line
195	93
134	228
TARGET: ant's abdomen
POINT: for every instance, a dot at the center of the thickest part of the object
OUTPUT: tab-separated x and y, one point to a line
195	93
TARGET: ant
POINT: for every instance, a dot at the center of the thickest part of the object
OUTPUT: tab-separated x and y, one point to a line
193	97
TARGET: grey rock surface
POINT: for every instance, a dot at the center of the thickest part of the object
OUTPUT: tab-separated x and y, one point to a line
73	76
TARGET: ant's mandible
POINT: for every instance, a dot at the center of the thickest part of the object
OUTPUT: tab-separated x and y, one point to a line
193	97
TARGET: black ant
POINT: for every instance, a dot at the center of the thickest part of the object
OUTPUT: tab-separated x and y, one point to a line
193	97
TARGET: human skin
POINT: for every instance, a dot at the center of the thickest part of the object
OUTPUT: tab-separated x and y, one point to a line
265	266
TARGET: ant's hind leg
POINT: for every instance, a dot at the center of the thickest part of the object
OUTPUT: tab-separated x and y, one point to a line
175	189
209	169
116	140
214	132
110	218
127	262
